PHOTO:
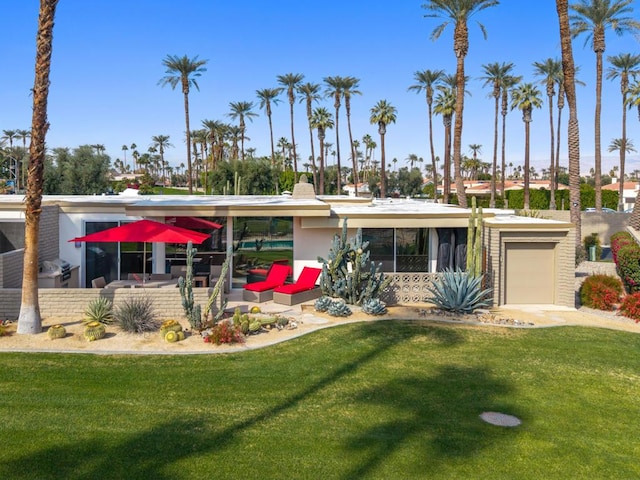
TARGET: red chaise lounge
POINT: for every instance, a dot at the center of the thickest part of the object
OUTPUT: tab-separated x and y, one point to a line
263	291
303	290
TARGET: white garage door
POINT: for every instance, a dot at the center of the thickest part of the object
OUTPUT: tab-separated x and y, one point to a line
530	273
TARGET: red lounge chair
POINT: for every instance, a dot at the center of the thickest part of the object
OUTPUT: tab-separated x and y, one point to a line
263	291
303	290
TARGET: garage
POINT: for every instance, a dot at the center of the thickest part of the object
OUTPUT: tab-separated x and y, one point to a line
530	273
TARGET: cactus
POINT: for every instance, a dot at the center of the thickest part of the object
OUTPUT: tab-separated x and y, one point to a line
474	241
255	326
186	292
56	331
237	316
282	322
322	304
94	331
169	326
218	288
339	309
348	273
171	336
180	335
374	306
244	327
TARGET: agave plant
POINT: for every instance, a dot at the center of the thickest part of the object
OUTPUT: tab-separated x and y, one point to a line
457	291
99	310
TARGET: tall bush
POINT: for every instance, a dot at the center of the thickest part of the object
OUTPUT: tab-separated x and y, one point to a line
629	266
619	240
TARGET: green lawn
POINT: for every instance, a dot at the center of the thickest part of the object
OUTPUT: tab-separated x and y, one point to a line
386	400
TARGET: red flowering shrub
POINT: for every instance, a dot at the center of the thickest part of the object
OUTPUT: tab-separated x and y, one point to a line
224	332
629	266
619	240
631	306
601	292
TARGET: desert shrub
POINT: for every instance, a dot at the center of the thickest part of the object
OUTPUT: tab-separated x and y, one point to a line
225	332
601	292
581	254
619	240
99	310
593	240
630	306
629	266
136	314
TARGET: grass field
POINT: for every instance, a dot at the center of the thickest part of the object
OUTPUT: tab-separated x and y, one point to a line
384	400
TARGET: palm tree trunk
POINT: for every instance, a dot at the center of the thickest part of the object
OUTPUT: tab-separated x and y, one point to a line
494	166
339	180
457	133
189	166
596	145
313	158
29	320
568	69
383	169
623	152
434	166
527	132
447	164
354	161
552	189
293	143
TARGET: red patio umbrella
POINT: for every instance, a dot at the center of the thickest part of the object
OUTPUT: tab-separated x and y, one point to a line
145	231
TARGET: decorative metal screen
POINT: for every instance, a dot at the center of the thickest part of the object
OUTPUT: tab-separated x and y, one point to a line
408	288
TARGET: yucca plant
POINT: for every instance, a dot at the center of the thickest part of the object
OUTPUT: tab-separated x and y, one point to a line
136	314
99	310
458	291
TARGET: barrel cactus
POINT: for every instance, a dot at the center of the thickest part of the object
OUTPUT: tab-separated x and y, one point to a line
56	331
169	326
244	327
374	306
171	336
94	331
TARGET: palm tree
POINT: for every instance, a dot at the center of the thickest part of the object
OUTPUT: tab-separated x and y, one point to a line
495	75
619	144
161	142
349	88
241	110
310	93
622	66
458	12
445	105
335	87
321	120
29	320
526	97
267	96
383	113
426	81
550	70
124	152
183	71
573	130
593	18
291	81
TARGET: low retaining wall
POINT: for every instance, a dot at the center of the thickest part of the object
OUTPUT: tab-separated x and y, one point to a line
72	302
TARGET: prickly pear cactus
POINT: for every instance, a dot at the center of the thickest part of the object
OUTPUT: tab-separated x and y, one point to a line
374	306
339	309
56	331
323	304
94	331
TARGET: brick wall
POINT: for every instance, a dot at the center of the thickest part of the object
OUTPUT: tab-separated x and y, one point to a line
71	302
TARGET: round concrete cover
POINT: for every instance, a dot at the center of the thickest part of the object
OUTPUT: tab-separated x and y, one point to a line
500	419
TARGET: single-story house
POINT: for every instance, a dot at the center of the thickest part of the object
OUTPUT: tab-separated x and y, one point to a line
527	260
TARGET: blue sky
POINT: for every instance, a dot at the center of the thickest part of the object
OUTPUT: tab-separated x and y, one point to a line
108	54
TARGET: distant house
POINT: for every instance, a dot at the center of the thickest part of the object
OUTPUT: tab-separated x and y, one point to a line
629	192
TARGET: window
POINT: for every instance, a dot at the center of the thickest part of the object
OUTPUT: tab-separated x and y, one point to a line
399	249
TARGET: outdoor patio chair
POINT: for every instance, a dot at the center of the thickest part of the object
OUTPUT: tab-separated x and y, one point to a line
99	282
263	291
302	290
259	274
